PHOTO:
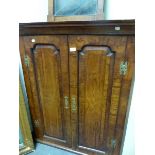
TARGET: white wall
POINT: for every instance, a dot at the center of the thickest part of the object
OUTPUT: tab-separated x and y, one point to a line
37	10
33	11
119	9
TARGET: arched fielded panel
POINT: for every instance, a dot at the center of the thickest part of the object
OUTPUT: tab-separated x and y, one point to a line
96	66
48	76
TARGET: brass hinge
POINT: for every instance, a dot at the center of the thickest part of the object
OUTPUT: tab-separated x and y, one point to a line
36	123
123	67
66	102
26	60
74	106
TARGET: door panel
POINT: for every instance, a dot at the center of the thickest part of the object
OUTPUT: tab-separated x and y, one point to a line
49	85
48	76
95	73
96	81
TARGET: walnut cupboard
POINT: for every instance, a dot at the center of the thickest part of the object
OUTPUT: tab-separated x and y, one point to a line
78	79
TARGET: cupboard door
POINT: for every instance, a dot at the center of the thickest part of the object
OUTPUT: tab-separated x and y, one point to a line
96	91
47	84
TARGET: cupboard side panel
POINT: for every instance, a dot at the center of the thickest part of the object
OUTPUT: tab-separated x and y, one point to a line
125	92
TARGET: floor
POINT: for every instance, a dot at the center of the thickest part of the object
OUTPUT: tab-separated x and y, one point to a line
42	149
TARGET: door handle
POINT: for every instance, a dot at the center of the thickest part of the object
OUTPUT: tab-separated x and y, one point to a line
74	106
66	102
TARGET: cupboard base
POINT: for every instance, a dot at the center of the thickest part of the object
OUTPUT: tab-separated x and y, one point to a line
60	147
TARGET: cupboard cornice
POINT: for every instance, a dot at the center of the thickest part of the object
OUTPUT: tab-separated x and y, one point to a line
106	27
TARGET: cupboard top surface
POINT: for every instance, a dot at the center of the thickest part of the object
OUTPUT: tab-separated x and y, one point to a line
104	27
